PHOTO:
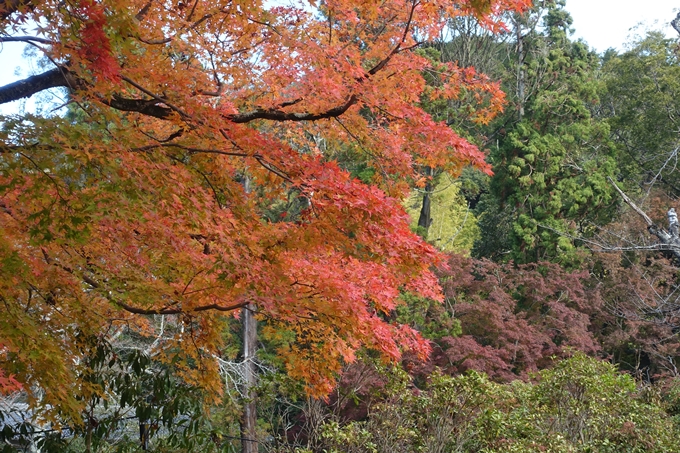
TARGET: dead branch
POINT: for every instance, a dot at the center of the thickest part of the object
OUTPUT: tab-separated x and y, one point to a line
670	241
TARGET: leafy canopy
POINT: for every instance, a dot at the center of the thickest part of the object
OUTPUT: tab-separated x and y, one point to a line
189	122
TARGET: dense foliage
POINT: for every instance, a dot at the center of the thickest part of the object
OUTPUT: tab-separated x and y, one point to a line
580	405
190	126
339	226
551	161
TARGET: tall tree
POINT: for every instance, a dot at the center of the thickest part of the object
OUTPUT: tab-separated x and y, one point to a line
141	211
551	167
639	103
638	276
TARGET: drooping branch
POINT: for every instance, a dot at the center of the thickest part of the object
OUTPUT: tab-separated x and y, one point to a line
171	309
177	311
168	310
671	241
193	150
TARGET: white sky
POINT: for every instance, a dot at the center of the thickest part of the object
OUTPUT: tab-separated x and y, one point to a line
601	23
607	23
14	67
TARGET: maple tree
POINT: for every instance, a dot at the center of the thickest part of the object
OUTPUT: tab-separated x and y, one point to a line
135	204
510	320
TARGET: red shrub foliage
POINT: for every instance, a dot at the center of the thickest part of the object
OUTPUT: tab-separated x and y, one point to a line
643	296
515	318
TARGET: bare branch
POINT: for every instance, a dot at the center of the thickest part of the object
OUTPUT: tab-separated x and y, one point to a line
670	241
601	246
630	203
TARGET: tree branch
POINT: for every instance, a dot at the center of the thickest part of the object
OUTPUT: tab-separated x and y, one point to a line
28	39
192	150
279	115
675	23
156	107
60	77
159	100
152	108
167	310
148	107
630	203
374	70
57	77
176	311
672	242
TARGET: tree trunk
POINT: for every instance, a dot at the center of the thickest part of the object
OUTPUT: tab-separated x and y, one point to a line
521	73
249	416
425	218
144	434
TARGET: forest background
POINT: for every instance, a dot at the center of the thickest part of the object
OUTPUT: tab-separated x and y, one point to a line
208	246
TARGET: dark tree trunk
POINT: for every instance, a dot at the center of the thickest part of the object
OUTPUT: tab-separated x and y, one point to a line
425	218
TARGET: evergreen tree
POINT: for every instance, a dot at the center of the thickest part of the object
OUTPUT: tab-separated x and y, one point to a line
640	104
552	162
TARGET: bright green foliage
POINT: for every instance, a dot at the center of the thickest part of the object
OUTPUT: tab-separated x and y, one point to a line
454	226
446	220
586	405
551	167
581	405
392	427
432	319
640	102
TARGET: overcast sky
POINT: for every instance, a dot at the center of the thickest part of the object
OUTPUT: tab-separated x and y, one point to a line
607	23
